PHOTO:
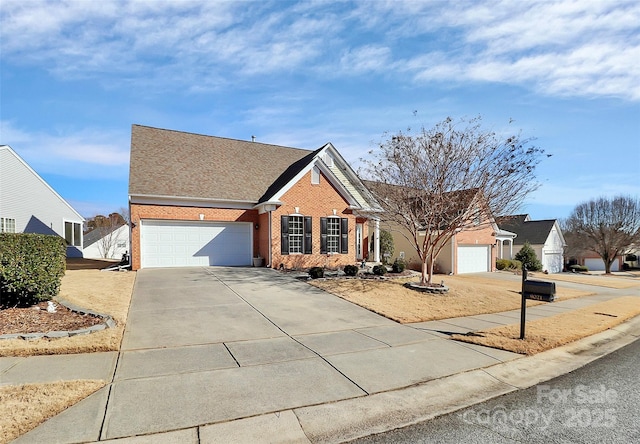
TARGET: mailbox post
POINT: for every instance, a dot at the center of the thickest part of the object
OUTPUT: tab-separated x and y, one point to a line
537	290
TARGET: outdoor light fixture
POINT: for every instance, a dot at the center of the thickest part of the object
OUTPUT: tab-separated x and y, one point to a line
202	217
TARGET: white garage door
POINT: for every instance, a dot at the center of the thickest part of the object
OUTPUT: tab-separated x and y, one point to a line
552	262
473	258
193	243
594	264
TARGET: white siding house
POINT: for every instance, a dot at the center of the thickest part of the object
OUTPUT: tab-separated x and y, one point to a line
106	243
544	236
29	205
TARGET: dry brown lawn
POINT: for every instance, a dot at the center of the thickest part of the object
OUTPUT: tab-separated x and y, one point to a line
105	292
547	333
598	280
467	296
24	407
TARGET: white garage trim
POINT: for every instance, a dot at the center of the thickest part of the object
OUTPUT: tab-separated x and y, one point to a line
474	258
597	264
174	243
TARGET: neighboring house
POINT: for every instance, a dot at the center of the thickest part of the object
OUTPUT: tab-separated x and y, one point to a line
203	200
544	236
471	250
594	262
28	204
106	242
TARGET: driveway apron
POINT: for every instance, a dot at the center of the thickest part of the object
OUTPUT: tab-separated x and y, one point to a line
214	344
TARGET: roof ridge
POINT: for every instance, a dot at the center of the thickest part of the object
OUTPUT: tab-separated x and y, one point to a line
225	138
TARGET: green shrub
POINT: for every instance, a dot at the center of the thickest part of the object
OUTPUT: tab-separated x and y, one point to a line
31	268
350	270
528	258
508	264
398	266
379	270
316	272
386	245
578	268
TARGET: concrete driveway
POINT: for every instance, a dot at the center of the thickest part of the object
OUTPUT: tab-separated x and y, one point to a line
209	345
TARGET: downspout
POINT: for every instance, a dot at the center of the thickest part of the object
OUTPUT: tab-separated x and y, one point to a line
454	256
270	242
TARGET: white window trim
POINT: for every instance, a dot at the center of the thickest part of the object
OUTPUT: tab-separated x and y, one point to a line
301	235
64	232
329	236
4	224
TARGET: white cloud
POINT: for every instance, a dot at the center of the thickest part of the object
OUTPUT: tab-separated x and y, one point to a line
568	47
86	153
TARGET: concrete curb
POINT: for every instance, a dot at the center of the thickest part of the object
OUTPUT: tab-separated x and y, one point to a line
107	322
355	418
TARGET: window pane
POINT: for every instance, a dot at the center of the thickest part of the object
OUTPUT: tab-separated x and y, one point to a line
68	232
333	235
296	234
77	235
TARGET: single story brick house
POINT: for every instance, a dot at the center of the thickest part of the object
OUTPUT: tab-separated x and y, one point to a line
198	200
470	249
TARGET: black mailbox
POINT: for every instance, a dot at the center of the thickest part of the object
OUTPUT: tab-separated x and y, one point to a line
539	290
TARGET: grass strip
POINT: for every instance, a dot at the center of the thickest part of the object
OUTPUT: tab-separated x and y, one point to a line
24	407
555	331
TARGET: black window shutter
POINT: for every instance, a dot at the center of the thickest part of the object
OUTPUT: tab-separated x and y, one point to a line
284	234
323	235
308	241
344	235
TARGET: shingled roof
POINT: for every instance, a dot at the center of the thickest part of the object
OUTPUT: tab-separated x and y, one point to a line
535	232
168	163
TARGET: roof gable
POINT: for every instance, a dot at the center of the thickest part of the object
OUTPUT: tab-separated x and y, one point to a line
536	232
7	149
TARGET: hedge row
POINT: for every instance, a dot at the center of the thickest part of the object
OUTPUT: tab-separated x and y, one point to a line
31	268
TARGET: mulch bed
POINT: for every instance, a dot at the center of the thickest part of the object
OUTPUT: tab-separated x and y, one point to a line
37	319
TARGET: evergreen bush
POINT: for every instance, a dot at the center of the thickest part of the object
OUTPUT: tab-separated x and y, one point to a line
350	270
398	266
528	258
31	268
379	270
316	272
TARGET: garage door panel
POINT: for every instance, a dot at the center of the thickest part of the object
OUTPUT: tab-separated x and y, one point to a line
473	258
597	264
194	243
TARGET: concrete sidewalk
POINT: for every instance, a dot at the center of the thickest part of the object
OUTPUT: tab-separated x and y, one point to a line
238	355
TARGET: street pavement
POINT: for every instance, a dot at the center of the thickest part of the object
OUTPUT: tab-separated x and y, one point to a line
252	355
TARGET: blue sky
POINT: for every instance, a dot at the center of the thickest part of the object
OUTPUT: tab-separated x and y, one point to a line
75	75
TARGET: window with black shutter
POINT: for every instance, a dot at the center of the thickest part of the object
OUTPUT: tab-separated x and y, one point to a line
334	235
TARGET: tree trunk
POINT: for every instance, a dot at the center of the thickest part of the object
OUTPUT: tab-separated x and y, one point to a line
423	277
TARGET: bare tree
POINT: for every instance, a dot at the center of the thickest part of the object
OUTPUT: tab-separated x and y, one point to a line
608	227
449	178
109	235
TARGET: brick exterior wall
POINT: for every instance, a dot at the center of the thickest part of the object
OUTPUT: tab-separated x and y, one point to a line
316	201
312	200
